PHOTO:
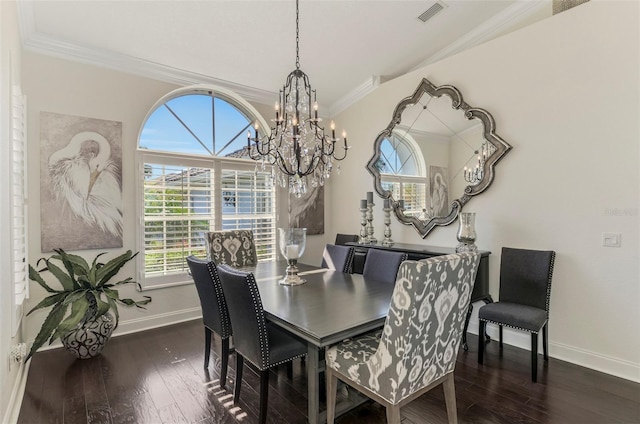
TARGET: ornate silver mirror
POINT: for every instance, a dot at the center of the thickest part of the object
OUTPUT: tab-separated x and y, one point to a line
435	154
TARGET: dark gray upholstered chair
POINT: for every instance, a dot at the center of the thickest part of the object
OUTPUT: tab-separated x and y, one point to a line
261	343
417	348
214	310
339	258
383	264
234	247
525	291
342	239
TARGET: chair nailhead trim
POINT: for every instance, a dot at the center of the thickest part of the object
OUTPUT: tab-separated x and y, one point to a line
514	326
262	327
222	304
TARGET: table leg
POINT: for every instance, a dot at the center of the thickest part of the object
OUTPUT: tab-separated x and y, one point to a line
313	384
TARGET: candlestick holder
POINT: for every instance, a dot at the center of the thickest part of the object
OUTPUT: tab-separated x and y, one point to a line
292	244
363	226
369	214
387	227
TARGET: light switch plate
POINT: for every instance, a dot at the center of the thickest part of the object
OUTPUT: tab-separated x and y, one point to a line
611	239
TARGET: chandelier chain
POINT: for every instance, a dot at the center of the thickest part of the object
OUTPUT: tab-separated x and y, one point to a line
297	36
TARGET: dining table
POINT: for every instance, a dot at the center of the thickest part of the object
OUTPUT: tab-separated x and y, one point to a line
329	307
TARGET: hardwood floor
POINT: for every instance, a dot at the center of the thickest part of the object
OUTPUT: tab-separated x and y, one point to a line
158	377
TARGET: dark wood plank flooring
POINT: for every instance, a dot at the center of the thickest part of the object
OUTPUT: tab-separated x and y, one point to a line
157	376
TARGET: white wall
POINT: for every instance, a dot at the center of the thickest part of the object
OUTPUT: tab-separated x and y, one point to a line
565	93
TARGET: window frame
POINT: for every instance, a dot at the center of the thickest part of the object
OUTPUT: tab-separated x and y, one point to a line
217	164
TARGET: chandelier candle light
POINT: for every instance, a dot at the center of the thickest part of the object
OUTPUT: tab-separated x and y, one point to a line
297	144
474	175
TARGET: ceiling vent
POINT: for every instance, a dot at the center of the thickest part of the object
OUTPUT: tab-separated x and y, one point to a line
431	11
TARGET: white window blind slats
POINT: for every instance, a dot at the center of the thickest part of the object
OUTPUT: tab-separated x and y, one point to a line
18	201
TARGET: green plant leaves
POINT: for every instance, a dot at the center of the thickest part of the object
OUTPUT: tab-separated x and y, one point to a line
85	288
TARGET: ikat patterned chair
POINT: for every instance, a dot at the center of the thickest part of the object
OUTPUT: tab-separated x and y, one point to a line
215	316
525	293
234	248
417	348
338	258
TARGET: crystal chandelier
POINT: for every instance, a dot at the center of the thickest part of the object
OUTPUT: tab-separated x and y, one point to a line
297	144
474	175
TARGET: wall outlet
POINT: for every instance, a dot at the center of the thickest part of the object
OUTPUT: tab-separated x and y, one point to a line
611	239
18	352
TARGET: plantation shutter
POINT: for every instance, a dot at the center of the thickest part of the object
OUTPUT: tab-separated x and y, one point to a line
18	204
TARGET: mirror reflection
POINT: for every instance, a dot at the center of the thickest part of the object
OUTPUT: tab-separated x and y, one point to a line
436	153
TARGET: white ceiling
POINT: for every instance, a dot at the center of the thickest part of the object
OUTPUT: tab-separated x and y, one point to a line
346	46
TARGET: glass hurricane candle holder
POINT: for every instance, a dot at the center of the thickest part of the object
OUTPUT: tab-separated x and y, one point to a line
292	244
467	232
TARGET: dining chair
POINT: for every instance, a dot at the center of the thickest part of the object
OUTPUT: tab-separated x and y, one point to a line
262	343
338	258
233	247
342	239
417	348
382	264
215	315
525	293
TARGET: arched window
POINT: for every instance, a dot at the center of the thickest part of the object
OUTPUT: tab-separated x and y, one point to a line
195	177
403	172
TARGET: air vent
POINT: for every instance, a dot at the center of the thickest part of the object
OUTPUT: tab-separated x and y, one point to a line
431	12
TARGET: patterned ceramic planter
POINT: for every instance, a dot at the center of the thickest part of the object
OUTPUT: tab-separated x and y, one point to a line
89	338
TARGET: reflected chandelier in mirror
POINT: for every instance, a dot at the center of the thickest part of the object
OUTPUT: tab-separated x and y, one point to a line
435	154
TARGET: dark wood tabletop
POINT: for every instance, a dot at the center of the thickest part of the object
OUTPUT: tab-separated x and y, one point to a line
328	308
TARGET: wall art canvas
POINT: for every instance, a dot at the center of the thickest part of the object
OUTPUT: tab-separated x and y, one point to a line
439	190
80	182
308	211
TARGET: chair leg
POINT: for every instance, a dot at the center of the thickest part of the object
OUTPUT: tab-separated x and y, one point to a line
393	414
225	362
332	388
500	332
481	329
450	399
545	342
534	357
238	385
207	346
290	370
264	395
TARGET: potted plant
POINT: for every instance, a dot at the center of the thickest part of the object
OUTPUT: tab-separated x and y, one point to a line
80	311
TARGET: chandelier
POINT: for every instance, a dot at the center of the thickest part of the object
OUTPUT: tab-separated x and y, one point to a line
474	175
297	144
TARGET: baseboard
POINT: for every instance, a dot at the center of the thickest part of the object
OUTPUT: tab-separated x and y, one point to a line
17	393
145	323
585	358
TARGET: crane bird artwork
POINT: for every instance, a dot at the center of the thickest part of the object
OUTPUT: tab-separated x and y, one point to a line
82	193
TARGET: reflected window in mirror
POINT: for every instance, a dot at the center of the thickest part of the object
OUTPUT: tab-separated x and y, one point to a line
402	171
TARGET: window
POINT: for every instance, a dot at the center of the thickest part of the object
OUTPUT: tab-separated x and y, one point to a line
196	177
18	205
401	167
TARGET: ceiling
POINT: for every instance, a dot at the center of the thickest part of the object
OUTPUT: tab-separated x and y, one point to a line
347	47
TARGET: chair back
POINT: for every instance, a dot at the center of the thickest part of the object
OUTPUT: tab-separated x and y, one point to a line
339	258
383	264
525	277
235	248
342	239
214	307
423	329
247	315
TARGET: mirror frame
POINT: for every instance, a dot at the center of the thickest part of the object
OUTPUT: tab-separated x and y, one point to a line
489	127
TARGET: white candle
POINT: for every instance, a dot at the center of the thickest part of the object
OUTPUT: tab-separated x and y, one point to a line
370	196
292	251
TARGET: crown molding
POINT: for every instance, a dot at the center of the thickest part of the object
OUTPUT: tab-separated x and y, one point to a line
51	46
356	94
490	29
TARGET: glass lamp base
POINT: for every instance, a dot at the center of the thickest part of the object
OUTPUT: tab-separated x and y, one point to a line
292	278
466	247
